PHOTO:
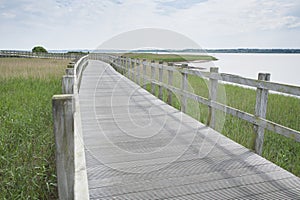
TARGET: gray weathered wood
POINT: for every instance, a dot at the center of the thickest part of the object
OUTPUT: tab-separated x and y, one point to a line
80	189
160	78
145	79
260	111
138	71
62	107
128	67
278	87
152	77
213	89
184	84
67	84
289	89
132	68
271	126
69	71
170	83
212	166
124	65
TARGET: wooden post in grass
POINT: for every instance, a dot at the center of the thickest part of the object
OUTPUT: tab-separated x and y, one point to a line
184	89
62	108
128	67
152	77
132	69
137	65
124	65
160	78
119	63
144	73
69	71
260	111
213	90
170	83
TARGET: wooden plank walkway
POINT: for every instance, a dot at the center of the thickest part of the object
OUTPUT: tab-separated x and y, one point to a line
138	147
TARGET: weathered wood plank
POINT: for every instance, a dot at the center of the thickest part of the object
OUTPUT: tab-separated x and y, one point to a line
160	78
184	86
152	77
144	73
213	89
170	83
260	111
211	166
62	106
271	126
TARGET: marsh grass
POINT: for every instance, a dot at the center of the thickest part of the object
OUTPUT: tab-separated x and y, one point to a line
169	57
40	68
27	166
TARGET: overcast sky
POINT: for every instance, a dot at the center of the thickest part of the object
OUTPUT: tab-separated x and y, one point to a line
85	24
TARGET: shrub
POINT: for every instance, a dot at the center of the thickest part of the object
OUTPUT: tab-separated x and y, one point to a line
39	49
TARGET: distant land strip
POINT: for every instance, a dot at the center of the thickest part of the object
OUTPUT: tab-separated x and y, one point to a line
239	50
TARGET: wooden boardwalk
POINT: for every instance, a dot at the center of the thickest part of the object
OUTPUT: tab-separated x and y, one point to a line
138	147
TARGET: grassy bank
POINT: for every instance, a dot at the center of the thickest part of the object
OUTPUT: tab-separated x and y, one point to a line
281	109
27	168
169	57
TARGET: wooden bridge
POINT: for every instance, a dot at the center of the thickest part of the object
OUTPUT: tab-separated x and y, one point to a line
29	54
115	140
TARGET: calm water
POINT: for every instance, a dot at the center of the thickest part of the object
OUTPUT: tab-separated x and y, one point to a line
284	68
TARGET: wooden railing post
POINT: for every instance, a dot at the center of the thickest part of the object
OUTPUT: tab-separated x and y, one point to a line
184	88
124	65
62	107
260	111
213	90
144	73
133	69
70	69
128	67
160	78
152	77
170	83
67	84
119	62
137	65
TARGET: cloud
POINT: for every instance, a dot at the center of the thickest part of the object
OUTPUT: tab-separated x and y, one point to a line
211	23
167	6
8	15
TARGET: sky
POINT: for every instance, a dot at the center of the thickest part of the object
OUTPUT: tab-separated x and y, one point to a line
86	24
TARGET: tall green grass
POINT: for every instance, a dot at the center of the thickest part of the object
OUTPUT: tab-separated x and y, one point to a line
27	162
281	109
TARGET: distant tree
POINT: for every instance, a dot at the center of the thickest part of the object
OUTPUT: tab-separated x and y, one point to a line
39	49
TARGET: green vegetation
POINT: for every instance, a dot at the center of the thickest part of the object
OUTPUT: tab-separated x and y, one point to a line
77	52
27	149
39	49
281	109
169	57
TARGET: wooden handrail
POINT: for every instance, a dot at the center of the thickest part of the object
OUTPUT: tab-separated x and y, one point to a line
262	85
70	156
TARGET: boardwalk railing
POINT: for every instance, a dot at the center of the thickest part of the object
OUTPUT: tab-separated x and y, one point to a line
138	70
29	54
70	156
